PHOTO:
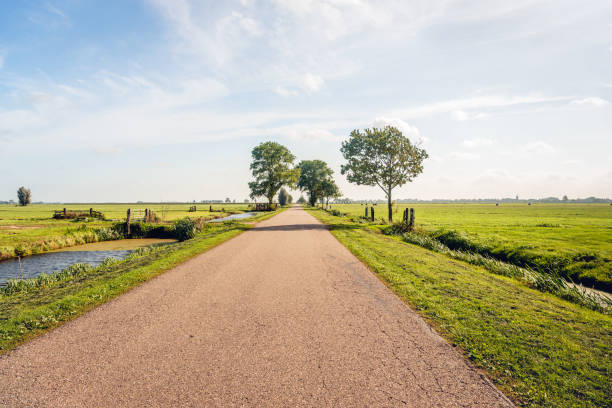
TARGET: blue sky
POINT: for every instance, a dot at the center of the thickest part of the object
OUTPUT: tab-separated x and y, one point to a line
164	99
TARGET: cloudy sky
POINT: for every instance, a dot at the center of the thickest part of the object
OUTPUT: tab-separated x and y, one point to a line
164	99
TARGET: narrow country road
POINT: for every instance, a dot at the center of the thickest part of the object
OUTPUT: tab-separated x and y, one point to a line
280	316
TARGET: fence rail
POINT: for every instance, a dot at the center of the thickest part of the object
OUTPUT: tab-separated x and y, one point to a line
66	213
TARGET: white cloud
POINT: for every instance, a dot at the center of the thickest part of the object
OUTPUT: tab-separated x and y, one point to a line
55	10
411	132
282	91
307	133
572	162
463	156
200	32
593	101
475	143
311	83
475	102
538	148
461	115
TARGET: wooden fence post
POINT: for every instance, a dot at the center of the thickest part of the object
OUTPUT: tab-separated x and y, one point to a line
366	214
90	212
411	218
64	213
129	213
210	209
372	212
146	215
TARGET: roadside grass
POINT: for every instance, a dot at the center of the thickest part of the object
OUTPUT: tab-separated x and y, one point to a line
571	240
540	350
31	229
34	309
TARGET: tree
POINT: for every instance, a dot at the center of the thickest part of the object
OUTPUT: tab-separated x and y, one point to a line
24	195
290	199
382	157
272	168
227	200
283	196
565	198
301	200
329	189
313	173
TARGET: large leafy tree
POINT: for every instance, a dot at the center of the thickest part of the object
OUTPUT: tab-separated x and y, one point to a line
313	173
381	157
272	168
24	195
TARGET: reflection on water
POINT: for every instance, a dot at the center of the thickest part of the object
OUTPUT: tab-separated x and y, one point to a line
53	261
234	217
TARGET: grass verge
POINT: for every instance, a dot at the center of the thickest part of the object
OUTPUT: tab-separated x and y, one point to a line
33	309
540	350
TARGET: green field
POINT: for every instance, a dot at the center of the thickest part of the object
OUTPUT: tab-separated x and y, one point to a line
574	240
34	229
540	350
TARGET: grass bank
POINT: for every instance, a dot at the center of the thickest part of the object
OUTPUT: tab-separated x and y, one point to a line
34	306
32	229
540	350
571	240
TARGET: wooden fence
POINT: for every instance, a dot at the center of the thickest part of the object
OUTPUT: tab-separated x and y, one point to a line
69	214
139	215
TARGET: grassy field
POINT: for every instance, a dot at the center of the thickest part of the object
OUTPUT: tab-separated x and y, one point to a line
36	305
574	240
33	227
540	350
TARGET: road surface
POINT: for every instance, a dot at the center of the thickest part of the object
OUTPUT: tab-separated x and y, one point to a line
280	316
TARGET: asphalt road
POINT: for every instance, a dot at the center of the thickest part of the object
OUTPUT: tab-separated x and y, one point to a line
280	316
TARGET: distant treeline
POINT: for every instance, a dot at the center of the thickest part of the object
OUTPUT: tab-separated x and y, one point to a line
378	201
481	200
15	203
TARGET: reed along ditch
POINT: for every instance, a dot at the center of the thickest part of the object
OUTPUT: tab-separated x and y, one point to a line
93	254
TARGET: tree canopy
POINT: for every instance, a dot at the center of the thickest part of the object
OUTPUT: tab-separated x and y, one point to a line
24	195
272	168
313	176
381	157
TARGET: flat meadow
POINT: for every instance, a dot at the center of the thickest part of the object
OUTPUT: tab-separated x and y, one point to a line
574	240
33	227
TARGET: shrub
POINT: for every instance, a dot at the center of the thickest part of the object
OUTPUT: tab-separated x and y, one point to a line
398	228
184	229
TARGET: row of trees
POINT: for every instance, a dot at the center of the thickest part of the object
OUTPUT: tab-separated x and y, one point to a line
273	167
374	157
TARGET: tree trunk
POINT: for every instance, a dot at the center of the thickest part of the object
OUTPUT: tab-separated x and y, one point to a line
390	206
